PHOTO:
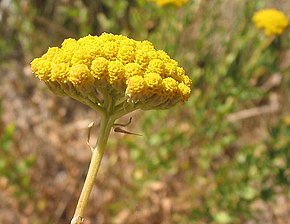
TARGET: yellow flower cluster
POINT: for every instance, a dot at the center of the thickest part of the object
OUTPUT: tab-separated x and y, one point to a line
286	120
177	3
113	65
272	21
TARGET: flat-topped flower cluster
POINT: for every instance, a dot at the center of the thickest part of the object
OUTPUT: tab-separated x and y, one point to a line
114	65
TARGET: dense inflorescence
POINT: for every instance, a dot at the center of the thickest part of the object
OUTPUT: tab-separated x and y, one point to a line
272	21
94	67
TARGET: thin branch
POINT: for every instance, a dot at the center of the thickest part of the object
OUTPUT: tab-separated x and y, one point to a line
271	108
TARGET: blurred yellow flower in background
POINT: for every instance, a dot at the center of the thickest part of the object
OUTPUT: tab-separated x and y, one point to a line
177	3
272	21
286	120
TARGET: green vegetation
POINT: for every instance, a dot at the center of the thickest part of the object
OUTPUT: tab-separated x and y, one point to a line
14	170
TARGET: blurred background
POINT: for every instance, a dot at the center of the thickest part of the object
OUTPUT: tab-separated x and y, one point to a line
222	157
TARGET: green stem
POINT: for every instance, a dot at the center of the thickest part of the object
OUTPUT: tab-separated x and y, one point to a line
88	102
123	111
106	125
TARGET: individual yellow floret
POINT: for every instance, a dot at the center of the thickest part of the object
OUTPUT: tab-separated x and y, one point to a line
136	88
82	56
170	87
105	37
68	44
180	71
41	68
272	21
126	54
110	50
160	54
184	91
145	52
51	53
186	80
143	57
91	45
63	57
153	81
156	66
116	73
171	69
145	45
99	68
80	75
87	40
133	69
125	41
60	72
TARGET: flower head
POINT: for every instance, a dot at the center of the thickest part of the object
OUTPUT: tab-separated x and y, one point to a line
286	120
177	3
131	73
272	21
